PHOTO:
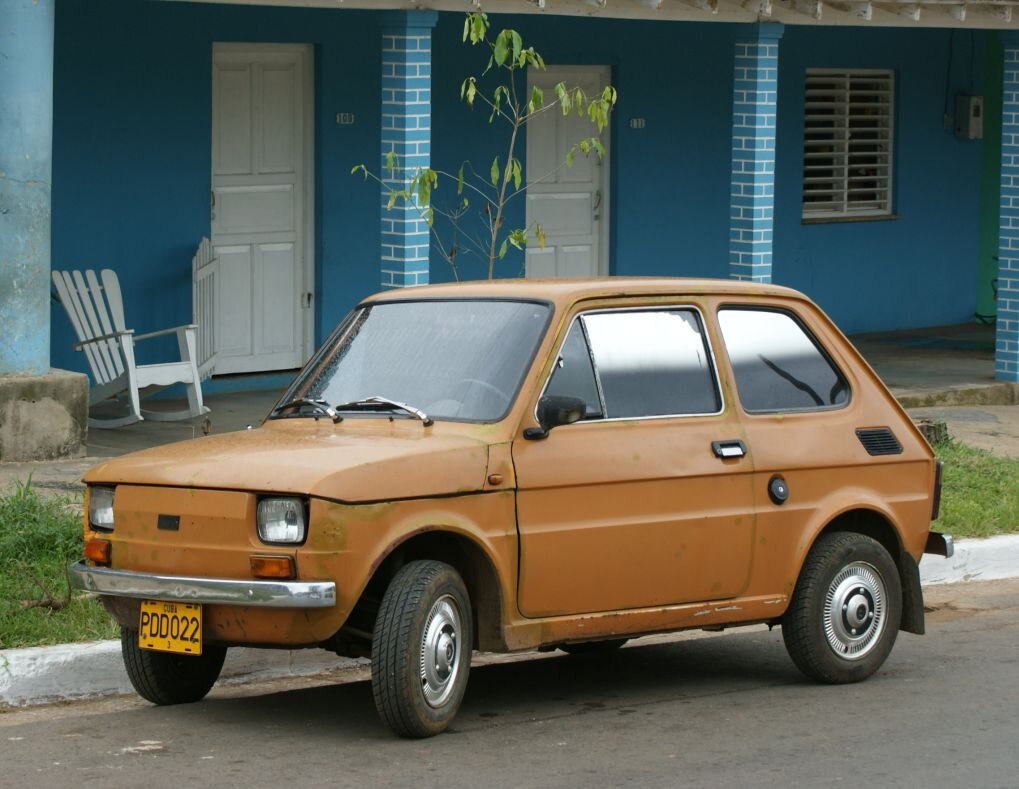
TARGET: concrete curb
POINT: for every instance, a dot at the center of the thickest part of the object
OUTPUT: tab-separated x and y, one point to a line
42	675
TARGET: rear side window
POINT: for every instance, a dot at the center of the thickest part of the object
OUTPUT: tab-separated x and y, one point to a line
778	365
652	363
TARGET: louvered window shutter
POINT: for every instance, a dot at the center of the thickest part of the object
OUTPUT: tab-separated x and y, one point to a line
847	143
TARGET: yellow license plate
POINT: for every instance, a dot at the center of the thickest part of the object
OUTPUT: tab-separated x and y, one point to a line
170	627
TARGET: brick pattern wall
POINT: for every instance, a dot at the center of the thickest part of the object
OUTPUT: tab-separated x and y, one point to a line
752	192
406	132
1006	357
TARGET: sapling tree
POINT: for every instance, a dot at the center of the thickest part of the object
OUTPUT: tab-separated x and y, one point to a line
485	194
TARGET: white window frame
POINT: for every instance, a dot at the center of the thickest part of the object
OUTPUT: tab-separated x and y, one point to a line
838	177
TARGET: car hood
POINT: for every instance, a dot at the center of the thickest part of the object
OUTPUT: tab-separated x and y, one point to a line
356	463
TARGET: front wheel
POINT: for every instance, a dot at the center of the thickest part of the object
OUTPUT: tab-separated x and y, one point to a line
846	609
166	678
421	649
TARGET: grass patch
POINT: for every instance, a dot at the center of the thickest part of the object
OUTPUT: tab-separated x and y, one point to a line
39	537
980	492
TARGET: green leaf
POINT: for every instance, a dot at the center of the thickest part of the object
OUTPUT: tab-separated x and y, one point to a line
460	180
390	161
518	238
569	158
501	49
539	233
476	27
360	167
537	100
518	44
467	26
472	90
517	174
494	172
564	97
503	249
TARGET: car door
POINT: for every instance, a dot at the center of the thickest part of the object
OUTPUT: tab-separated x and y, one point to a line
646	501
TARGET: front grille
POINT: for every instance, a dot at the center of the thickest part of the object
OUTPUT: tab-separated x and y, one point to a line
879	441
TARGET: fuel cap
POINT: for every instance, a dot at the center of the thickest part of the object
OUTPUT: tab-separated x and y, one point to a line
778	491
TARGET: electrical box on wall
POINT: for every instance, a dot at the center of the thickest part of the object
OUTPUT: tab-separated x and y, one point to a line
969	117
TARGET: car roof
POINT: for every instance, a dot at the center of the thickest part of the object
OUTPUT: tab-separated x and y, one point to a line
567	291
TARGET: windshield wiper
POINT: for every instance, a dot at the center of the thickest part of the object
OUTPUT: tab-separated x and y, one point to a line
375	402
321	406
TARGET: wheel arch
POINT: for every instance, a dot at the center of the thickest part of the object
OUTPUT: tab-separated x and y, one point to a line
462	552
880	526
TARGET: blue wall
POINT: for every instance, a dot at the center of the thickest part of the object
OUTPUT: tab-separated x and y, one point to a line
132	150
919	269
672	173
132	154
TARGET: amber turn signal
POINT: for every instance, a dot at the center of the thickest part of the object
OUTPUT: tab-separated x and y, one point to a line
272	567
98	551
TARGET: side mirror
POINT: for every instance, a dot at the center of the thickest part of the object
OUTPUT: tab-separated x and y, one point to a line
556	410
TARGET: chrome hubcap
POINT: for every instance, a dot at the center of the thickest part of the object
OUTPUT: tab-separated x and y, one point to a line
440	651
854	611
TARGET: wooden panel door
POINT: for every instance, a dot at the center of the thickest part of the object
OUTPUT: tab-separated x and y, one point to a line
261	211
570	203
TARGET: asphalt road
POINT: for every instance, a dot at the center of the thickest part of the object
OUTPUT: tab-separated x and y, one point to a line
722	711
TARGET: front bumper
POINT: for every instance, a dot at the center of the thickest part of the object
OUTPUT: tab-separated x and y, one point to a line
215	591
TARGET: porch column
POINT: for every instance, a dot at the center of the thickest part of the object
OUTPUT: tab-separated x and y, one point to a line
406	132
1006	354
26	142
752	192
43	412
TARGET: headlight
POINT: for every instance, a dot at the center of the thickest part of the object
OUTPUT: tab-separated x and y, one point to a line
100	508
280	520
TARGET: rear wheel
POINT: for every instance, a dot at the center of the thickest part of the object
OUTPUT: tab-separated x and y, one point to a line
846	609
421	649
165	678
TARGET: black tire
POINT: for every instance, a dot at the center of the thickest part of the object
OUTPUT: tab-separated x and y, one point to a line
846	609
593	647
165	678
425	611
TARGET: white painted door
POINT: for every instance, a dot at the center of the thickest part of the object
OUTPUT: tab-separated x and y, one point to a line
261	204
570	203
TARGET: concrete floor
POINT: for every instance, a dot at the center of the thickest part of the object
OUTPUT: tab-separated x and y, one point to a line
944	365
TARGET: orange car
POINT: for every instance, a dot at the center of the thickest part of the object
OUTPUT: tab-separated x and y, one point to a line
518	464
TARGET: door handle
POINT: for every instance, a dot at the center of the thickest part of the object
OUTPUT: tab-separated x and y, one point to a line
733	448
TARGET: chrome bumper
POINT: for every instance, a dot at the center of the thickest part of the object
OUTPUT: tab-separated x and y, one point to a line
219	591
940	544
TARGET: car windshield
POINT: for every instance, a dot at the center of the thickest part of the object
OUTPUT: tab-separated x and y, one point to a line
457	360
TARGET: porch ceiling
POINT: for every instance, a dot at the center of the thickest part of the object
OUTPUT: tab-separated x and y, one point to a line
989	14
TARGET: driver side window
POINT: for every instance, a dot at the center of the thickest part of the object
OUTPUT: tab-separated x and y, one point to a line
574	373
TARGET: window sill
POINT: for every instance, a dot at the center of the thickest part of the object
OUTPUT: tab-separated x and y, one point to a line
825	220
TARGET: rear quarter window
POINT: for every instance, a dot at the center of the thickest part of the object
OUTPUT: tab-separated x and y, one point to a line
778	364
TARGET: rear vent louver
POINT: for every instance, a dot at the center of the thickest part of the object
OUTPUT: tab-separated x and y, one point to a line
879	441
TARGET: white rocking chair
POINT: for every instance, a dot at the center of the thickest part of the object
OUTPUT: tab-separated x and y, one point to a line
97	315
